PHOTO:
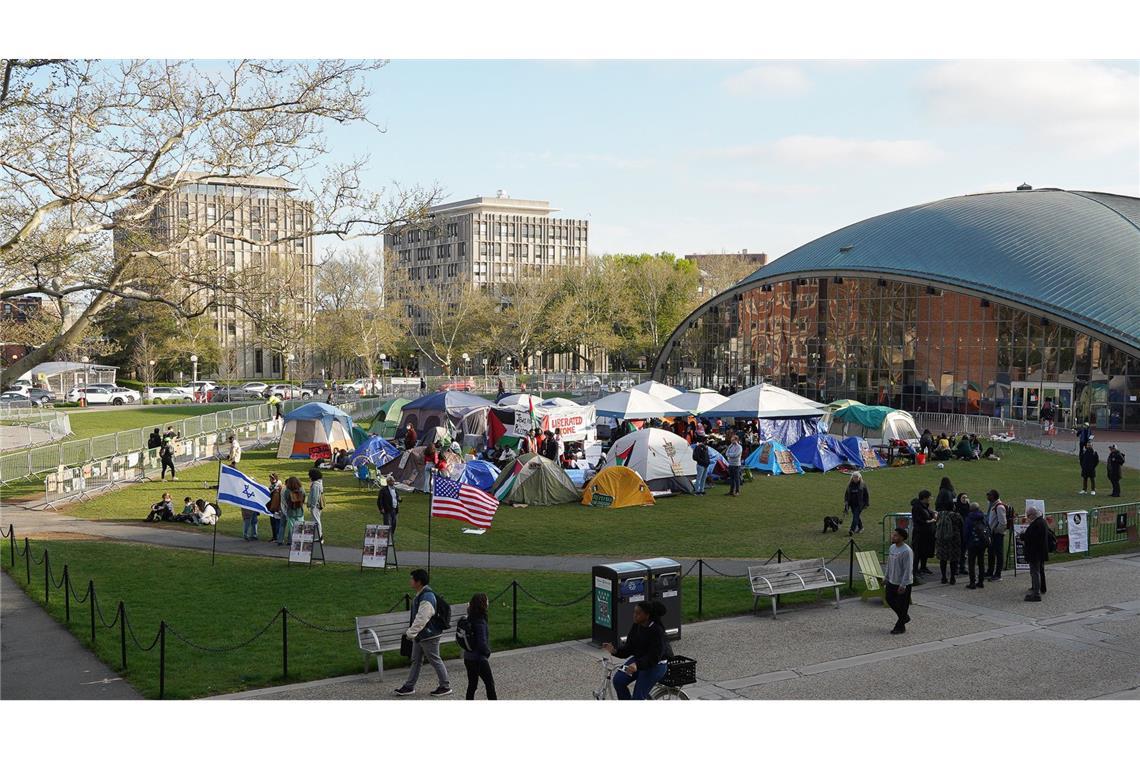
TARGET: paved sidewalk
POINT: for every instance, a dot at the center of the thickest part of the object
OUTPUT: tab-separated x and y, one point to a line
40	659
1082	642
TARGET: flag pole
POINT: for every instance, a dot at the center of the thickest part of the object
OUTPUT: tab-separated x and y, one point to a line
431	495
214	543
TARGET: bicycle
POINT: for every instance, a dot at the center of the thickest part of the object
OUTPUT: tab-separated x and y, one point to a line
679	672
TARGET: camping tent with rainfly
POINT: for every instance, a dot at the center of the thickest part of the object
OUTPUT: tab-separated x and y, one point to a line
407	469
439	410
663	459
775	458
314	425
384	422
479	473
615	487
820	452
877	424
376	451
860	454
534	480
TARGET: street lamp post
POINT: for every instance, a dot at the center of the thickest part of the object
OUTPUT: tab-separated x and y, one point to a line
194	366
288	361
383	370
86	378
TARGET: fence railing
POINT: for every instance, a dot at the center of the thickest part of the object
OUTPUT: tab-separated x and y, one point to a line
33	427
1018	431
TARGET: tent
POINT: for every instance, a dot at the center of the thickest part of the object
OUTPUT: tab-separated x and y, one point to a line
819	452
775	458
535	480
860	454
359	436
314	424
698	401
780	414
663	459
376	451
479	473
878	424
558	401
635	405
520	400
659	390
407	469
439	410
384	421
437	435
616	487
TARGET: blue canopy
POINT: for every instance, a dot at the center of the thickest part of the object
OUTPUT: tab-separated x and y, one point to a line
479	473
859	453
819	452
775	458
376	451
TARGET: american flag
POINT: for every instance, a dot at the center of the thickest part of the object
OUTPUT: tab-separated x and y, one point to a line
458	501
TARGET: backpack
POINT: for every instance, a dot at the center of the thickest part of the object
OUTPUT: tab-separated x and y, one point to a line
982	533
464	634
442	612
701	455
1051	540
1010	516
217	509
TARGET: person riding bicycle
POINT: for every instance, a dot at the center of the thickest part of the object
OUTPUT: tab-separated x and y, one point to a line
647	652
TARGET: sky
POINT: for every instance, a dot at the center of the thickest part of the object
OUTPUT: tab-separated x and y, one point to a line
687	156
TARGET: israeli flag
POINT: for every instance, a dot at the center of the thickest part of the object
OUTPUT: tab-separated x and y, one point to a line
238	489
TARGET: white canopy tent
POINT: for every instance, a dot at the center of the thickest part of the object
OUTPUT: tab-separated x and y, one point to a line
767	401
659	390
520	400
636	405
698	400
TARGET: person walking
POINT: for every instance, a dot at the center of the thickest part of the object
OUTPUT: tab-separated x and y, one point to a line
476	659
424	631
388	502
317	500
294	508
922	528
1115	468
997	518
733	455
899	578
1036	541
948	542
856	499
166	456
977	543
701	457
277	513
1089	462
423	386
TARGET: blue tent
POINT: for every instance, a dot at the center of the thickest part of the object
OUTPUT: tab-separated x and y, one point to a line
718	465
860	454
479	473
775	458
439	409
376	451
819	452
313	427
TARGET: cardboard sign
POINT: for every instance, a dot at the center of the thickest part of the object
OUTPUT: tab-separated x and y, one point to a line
320	451
377	542
1078	532
301	549
601	500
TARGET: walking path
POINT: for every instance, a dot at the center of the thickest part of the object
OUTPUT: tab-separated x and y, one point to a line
40	659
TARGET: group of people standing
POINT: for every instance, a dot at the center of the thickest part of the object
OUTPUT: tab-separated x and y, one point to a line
965	538
286	505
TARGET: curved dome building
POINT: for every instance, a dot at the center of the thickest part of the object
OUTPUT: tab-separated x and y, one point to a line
984	304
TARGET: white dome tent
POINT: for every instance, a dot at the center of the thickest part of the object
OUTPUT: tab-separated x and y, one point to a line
663	459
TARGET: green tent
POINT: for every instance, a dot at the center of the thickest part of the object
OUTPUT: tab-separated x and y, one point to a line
359	436
842	403
387	418
534	480
861	414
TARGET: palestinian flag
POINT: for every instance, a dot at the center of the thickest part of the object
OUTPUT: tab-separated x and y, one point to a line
497	425
621	459
509	483
534	425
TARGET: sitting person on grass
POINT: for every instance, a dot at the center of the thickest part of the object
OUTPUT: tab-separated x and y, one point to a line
964	450
187	514
162	510
343	460
207	511
943	451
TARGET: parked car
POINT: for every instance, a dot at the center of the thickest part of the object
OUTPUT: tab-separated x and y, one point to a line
40	397
313	385
255	387
287	392
169	393
98	395
458	384
14	397
233	393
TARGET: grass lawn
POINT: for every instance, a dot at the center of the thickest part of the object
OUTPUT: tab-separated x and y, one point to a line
224	605
779	512
99	421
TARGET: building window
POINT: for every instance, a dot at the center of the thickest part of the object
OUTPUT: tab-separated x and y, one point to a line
276	364
258	367
462	249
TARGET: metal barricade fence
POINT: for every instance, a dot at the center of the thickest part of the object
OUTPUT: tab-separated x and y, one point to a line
1022	431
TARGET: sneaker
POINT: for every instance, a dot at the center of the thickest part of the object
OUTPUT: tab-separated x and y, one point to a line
953	580
404	691
1032	598
972	585
897	630
442	691
1082	492
1092	493
995	579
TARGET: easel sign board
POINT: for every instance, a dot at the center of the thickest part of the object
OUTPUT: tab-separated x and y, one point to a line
301	549
377	543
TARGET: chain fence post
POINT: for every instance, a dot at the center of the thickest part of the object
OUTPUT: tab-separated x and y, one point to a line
28	560
123	635
285	643
851	566
66	594
161	659
779	556
407	602
91	600
700	588
47	579
515	611
12	543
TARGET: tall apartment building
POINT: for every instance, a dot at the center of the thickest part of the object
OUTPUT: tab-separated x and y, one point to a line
489	242
232	224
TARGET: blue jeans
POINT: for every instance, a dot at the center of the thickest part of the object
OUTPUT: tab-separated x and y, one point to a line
856	520
734	478
702	476
249	524
646	680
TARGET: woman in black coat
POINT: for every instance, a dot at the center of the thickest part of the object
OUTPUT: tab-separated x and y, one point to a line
856	499
647	652
922	532
476	659
946	497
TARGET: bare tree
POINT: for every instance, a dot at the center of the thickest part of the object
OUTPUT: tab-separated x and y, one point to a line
443	321
92	152
520	323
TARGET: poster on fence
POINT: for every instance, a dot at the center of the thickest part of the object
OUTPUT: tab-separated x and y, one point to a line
377	542
301	549
1078	532
1019	560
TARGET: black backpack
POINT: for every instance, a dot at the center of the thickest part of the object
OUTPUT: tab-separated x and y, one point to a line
218	509
701	455
442	612
1051	540
982	533
465	634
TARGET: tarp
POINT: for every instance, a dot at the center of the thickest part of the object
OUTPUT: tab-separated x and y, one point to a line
861	414
788	430
860	454
635	405
314	425
698	401
479	473
767	401
819	452
660	390
534	480
439	409
376	451
878	424
774	457
616	487
385	422
662	459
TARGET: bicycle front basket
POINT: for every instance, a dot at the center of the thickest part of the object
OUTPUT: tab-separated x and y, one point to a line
681	671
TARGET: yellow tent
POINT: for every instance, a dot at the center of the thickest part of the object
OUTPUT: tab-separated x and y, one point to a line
617	486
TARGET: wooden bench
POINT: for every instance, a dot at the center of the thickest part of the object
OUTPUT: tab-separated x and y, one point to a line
376	634
870	568
790	577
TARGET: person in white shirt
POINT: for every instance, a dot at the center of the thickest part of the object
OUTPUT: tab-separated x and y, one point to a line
317	500
732	455
235	452
899	578
209	515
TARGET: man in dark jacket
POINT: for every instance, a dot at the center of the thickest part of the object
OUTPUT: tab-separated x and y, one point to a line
1036	541
1115	468
701	457
155	440
388	502
1089	462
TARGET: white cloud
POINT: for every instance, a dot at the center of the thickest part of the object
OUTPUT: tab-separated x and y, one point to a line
768	79
1079	106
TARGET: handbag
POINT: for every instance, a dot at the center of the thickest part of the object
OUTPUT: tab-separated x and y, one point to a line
405	646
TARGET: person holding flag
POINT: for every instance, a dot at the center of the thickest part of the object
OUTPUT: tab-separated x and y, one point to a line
245	493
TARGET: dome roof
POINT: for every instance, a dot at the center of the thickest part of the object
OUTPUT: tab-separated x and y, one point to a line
1074	255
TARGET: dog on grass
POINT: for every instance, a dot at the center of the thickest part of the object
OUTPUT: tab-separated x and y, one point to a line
832	523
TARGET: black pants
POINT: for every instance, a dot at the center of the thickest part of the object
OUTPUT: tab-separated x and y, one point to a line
389	519
1115	486
477	669
167	463
898	599
953	564
995	557
977	555
1086	480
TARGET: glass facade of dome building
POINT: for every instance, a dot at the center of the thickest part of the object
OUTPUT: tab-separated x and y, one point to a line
932	309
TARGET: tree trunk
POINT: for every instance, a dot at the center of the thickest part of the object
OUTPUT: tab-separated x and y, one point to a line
56	345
